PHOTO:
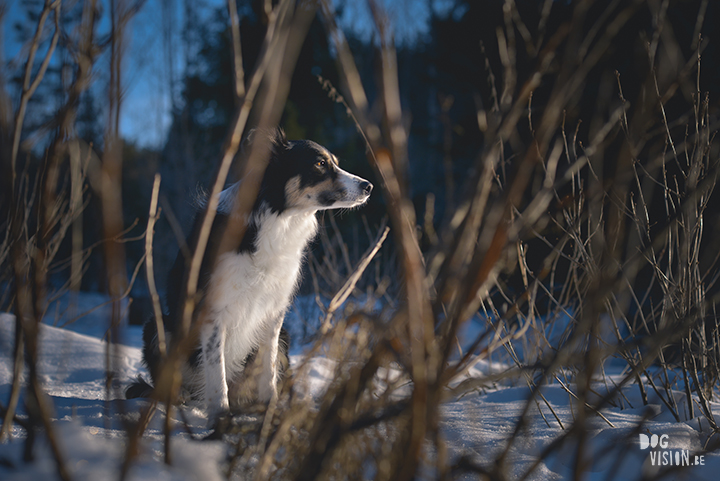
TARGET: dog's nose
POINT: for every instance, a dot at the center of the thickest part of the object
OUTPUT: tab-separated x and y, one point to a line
366	187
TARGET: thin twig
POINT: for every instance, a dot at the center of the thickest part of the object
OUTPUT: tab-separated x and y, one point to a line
153	216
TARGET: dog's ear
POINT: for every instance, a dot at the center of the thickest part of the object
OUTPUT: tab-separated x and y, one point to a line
278	139
278	143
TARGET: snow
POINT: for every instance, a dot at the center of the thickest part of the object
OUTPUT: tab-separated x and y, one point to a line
89	421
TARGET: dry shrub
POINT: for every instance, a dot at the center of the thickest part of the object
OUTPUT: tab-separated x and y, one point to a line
618	279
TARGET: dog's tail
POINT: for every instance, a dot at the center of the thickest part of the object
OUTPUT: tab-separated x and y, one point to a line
140	388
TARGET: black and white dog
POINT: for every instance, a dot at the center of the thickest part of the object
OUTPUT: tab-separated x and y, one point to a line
245	293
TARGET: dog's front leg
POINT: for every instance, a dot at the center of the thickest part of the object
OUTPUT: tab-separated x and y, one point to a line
212	338
268	379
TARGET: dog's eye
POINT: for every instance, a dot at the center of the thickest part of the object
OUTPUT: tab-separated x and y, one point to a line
320	164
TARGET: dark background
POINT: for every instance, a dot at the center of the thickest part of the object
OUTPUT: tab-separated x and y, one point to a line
447	73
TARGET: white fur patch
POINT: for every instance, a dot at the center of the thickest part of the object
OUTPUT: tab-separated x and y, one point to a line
247	297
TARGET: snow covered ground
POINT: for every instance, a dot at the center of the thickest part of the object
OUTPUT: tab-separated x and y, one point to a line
90	425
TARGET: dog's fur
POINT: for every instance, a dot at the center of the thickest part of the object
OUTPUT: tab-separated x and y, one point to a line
242	347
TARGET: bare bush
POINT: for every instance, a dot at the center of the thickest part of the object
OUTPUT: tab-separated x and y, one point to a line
617	278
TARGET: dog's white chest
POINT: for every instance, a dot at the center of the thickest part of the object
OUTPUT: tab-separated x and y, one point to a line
249	292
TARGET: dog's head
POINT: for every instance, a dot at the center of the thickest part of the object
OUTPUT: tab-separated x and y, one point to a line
304	175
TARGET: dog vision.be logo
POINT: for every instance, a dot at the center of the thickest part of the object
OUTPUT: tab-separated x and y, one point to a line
662	456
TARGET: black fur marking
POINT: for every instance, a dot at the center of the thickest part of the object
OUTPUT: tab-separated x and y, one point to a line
151	353
177	277
139	389
247	245
330	197
194	358
213	346
214	341
215	359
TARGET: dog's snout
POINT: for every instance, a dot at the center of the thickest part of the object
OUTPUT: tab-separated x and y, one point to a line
366	187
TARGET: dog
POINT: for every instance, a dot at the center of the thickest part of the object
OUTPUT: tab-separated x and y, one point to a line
242	349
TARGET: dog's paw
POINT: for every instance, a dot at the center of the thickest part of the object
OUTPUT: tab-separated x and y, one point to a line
219	424
246	424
